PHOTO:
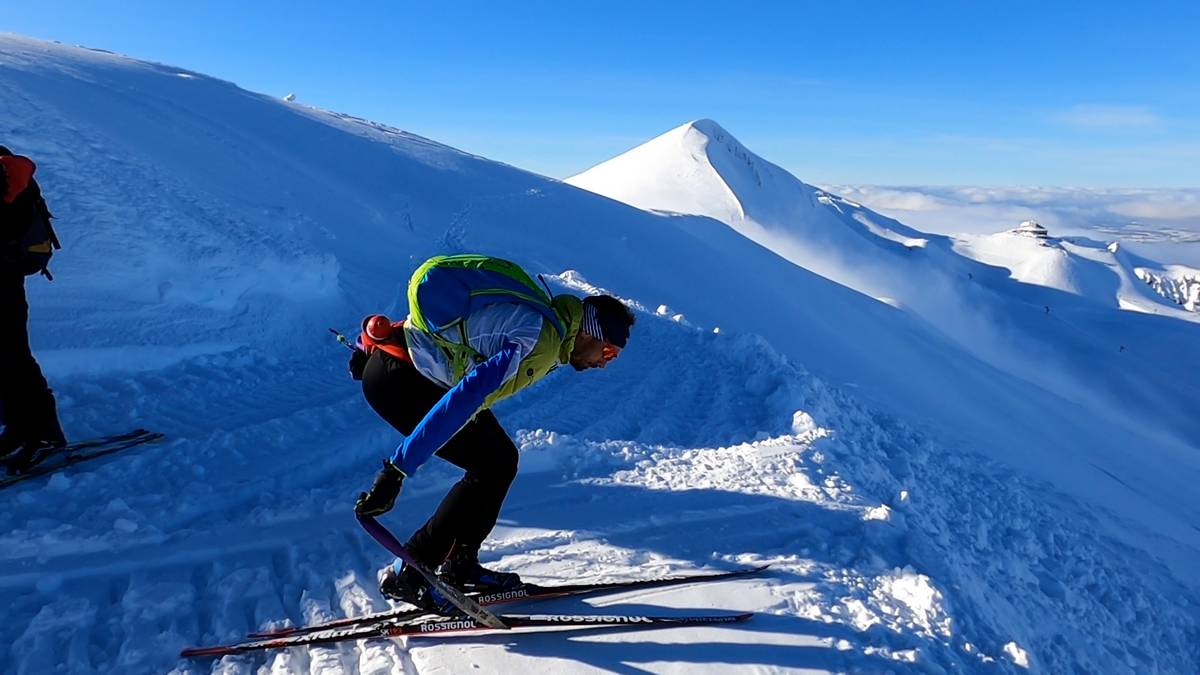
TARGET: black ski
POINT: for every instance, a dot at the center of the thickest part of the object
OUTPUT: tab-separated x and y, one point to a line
105	440
96	441
529	592
74	453
442	626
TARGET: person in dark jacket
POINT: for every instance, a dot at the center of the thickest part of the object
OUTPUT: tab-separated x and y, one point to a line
27	407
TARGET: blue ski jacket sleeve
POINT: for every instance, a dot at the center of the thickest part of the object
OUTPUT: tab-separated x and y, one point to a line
454	410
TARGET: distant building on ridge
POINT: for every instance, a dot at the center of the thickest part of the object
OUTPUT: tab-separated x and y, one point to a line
1031	228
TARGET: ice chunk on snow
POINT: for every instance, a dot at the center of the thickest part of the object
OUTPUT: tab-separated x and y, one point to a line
1018	655
803	423
881	512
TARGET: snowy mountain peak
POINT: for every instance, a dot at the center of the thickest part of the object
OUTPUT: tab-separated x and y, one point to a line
697	168
745	171
707	127
700	168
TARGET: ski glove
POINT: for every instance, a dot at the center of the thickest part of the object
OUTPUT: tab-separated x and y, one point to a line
358	361
382	496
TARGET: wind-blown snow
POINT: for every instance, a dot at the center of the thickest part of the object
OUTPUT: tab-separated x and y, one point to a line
922	508
1051	330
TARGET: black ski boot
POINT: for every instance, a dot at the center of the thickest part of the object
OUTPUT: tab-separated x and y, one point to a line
408	585
9	444
29	455
463	571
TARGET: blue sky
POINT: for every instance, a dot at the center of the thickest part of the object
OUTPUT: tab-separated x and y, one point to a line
1086	94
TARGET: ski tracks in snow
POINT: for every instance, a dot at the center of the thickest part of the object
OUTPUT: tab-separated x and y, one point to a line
888	551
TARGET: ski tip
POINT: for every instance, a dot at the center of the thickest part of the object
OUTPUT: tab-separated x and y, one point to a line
718	618
744	571
192	652
277	633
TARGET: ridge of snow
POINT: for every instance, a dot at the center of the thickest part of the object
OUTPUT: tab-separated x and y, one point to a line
967	287
1101	272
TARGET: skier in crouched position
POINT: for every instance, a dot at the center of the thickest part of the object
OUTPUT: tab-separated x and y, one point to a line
479	330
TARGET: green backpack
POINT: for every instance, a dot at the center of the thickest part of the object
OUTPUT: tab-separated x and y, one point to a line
444	290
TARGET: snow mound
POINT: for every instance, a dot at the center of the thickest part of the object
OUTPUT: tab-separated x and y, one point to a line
1036	258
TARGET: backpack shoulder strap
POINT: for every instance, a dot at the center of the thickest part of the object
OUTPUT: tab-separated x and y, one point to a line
44	211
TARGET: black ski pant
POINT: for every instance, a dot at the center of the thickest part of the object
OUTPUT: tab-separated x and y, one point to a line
402	396
26	403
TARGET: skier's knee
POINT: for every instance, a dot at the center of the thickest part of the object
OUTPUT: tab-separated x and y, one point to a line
506	465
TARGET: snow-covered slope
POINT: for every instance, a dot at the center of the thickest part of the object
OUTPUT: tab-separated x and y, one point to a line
1103	273
1082	353
923	509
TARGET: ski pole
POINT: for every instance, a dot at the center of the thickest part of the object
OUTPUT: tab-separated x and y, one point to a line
342	339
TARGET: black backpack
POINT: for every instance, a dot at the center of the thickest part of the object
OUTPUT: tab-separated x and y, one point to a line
27	239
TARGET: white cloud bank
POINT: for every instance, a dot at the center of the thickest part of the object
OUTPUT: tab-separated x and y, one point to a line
1164	224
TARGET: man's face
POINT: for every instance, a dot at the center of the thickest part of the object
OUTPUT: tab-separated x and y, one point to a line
592	353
